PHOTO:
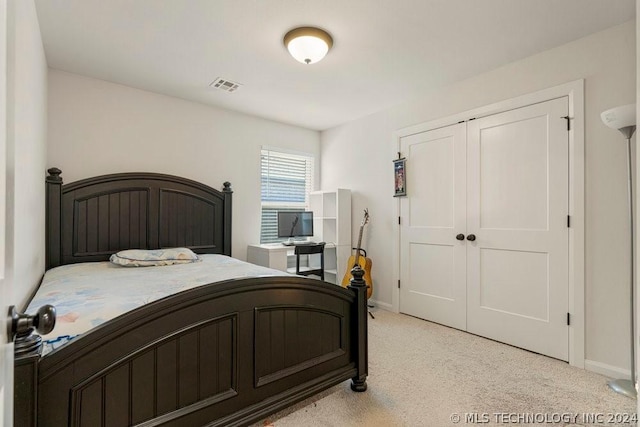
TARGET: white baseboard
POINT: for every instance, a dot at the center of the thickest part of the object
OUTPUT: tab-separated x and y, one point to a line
607	370
382	305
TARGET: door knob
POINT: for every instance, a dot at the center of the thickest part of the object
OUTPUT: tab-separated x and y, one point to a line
23	324
460	236
471	237
20	328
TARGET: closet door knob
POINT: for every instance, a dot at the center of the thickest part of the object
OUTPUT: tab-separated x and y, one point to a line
471	237
460	236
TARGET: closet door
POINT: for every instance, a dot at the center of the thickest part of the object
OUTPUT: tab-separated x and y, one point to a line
517	266
432	259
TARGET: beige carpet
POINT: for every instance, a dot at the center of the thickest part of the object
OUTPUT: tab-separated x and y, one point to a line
424	374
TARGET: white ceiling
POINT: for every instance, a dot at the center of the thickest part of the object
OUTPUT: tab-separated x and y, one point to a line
385	51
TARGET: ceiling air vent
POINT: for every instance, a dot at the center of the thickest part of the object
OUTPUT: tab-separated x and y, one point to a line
226	85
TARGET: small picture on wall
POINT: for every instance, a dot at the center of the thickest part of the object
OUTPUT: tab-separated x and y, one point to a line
400	177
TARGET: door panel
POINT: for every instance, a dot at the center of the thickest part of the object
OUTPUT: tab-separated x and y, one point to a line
432	201
434	264
432	260
528	295
517	268
513	175
504	179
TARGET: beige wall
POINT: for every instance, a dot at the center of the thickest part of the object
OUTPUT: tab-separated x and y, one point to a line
96	127
26	149
358	155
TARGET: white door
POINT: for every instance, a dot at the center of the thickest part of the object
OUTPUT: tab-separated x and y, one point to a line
517	206
500	183
6	350
433	272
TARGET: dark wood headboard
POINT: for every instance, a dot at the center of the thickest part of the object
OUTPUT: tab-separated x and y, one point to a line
91	219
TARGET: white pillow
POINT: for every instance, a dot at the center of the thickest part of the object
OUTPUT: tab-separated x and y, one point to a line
153	257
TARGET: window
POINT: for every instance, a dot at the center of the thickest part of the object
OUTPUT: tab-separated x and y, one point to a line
287	180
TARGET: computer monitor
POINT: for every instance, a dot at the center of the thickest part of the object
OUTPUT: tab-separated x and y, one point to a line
295	224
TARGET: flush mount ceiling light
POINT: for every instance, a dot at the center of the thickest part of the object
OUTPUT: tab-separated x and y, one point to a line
308	44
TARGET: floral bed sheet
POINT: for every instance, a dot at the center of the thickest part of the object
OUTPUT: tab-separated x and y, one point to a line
88	294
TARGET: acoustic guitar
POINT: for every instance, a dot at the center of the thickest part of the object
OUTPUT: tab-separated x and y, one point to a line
361	260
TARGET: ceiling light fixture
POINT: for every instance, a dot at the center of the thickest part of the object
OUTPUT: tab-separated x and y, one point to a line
308	44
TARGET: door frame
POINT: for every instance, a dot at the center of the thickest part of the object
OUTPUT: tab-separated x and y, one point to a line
575	92
6	284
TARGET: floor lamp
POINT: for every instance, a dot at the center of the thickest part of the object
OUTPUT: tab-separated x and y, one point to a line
624	119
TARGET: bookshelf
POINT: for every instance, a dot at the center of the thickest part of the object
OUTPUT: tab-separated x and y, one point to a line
332	224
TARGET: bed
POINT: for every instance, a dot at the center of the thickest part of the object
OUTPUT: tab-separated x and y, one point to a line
229	352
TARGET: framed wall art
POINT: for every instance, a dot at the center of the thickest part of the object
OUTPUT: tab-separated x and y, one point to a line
400	177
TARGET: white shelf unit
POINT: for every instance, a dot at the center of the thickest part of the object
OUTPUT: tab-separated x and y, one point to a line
332	224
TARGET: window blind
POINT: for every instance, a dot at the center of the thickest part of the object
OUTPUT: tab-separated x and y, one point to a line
286	181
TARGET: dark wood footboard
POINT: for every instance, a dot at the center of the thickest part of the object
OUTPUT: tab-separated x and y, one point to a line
228	353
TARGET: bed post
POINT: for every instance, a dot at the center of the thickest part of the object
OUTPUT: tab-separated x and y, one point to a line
227	218
358	285
53	206
27	351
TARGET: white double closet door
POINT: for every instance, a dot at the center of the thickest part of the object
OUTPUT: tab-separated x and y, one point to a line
500	184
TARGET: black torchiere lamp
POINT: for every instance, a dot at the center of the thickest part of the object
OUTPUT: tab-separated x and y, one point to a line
624	119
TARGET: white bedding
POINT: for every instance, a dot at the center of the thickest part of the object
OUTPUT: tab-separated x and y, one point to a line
88	294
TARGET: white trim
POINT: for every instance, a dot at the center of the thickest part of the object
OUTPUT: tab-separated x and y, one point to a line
575	93
607	370
382	305
577	230
6	108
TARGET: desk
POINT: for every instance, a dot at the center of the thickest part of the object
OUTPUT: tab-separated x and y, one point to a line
276	256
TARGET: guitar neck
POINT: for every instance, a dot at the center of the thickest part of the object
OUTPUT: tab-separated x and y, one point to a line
359	243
